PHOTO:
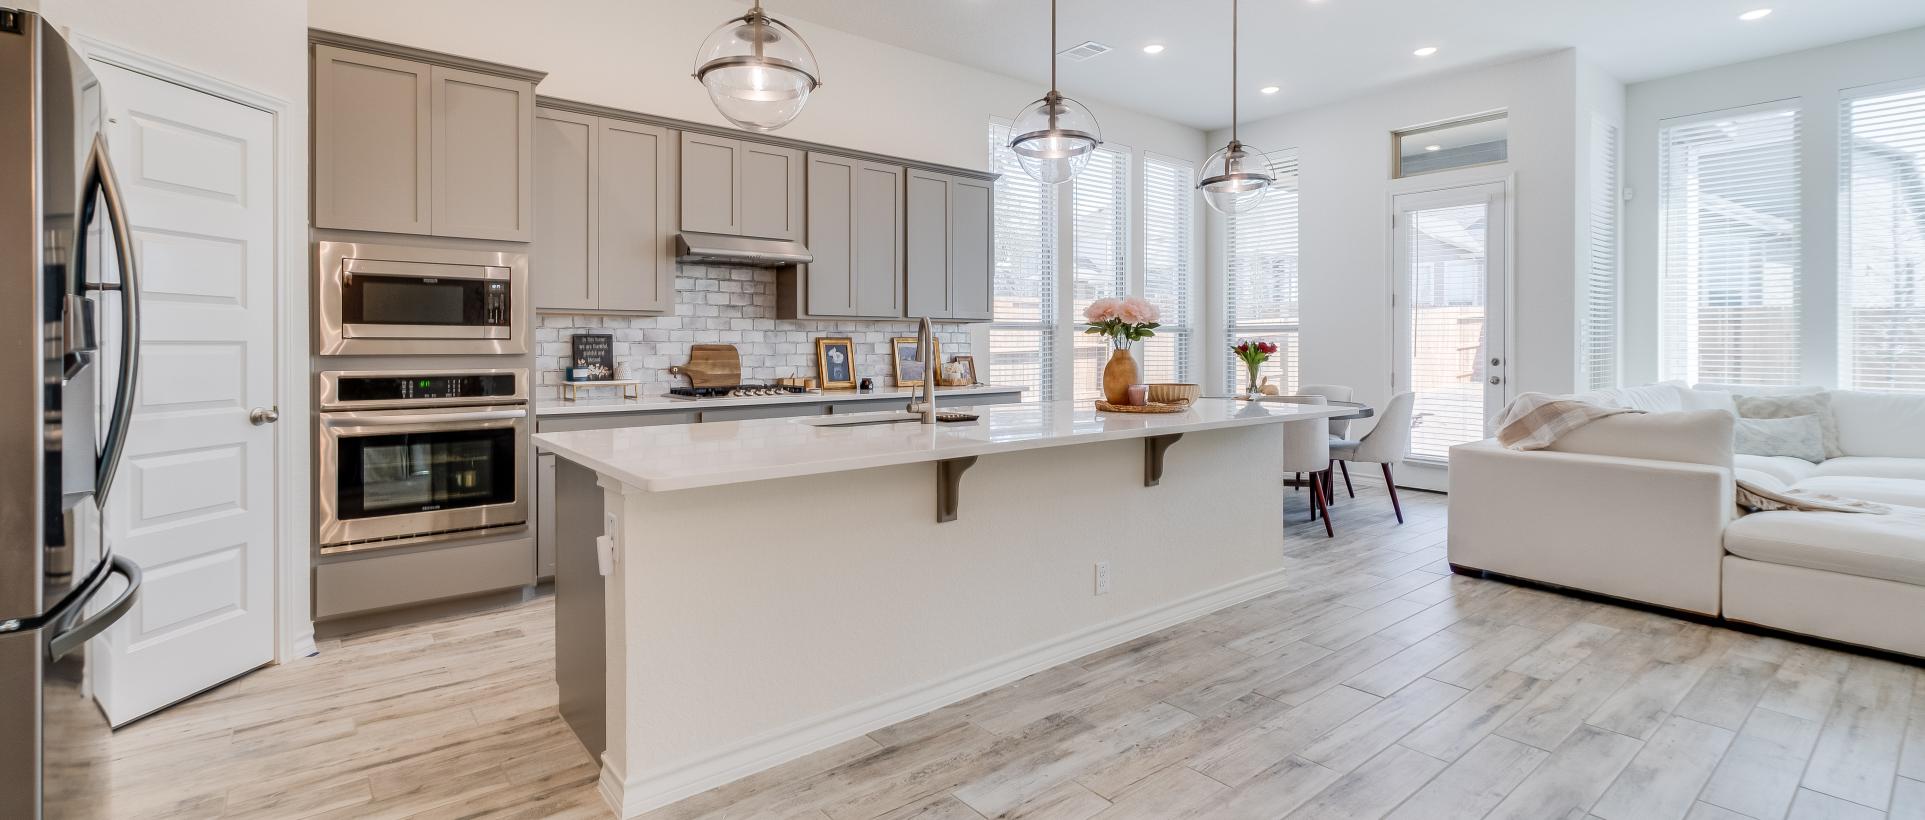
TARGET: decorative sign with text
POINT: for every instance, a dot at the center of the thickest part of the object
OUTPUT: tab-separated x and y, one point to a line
591	357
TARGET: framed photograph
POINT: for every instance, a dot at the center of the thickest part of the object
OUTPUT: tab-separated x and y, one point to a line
960	372
594	353
902	350
835	362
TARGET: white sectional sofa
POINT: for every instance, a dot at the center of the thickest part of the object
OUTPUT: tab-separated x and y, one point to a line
1641	507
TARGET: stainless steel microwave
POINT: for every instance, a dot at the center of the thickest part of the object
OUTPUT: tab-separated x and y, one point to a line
386	300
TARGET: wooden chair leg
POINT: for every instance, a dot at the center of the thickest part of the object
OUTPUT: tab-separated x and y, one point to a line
1298	485
1345	466
1317	500
1392	486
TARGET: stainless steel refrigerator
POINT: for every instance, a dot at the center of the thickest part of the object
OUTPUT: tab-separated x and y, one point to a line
69	326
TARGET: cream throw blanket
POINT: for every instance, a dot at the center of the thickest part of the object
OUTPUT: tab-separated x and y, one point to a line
1534	420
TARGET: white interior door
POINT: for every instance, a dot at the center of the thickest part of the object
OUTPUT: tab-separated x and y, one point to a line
1450	284
194	503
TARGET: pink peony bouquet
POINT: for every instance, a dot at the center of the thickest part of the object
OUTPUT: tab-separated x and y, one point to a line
1125	320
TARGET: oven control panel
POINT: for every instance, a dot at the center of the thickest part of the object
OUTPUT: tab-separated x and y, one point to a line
400	388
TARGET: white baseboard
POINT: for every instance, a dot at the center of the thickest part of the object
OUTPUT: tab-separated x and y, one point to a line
631	797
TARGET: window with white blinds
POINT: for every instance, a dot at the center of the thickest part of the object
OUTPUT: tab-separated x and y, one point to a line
1261	289
1099	239
1598	339
1023	333
1881	242
1731	242
1169	197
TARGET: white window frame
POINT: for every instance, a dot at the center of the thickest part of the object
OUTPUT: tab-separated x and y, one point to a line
1233	372
1601	283
1185	328
1049	322
1842	292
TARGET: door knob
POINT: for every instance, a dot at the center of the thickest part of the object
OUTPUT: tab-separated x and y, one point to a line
263	415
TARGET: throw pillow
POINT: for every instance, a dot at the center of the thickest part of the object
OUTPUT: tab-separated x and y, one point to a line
1784	407
1798	437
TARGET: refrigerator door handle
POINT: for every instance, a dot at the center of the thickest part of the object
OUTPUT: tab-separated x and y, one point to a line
76	636
100	175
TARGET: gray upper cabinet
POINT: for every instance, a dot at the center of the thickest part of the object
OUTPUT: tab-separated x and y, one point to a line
605	200
414	147
483	153
371	166
855	224
949	246
741	188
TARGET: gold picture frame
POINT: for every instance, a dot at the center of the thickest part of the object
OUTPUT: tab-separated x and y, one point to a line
902	354
966	364
827	369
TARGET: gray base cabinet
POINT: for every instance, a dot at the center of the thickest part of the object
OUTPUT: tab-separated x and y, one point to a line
950	246
740	188
855	231
605	205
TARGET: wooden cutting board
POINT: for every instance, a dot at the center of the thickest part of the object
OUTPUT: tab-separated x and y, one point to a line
711	366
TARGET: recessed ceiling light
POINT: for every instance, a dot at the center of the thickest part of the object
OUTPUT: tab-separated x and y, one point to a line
1433	147
1426	51
1755	14
1153	48
1269	89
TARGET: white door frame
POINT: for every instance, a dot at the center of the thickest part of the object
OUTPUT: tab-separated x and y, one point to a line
294	624
1426	475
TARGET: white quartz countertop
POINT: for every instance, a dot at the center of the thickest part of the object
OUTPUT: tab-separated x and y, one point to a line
687	456
666	403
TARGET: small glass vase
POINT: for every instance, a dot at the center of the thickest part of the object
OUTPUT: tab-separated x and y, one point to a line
1255	391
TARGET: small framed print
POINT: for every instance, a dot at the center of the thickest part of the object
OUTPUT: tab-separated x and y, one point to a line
960	372
593	355
902	350
835	362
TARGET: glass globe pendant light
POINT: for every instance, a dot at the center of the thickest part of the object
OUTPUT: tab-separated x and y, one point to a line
1054	137
758	71
1237	175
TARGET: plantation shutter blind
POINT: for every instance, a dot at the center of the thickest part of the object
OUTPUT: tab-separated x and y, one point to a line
1598	344
1881	311
1099	229
1168	199
1729	188
1022	331
1261	298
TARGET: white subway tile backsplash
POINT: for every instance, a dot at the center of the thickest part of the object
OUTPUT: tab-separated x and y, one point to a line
725	306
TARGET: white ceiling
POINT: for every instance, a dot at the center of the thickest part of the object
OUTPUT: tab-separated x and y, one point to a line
1322	50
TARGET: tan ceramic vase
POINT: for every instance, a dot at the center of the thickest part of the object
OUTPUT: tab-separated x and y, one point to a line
1118	375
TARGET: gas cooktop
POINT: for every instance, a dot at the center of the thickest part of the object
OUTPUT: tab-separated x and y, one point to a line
739	391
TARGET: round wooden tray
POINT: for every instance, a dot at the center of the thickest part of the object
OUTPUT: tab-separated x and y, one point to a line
1106	407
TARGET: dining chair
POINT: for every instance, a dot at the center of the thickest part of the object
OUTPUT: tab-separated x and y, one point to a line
1306	451
1339	429
1386	444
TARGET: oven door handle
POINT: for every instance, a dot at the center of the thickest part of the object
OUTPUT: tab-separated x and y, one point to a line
398	420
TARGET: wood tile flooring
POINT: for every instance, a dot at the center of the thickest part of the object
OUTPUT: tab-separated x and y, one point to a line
1376	685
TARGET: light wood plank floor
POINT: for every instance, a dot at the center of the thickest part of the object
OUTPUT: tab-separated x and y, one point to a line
1377	684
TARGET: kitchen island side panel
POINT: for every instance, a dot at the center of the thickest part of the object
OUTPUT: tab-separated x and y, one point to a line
763	620
580	659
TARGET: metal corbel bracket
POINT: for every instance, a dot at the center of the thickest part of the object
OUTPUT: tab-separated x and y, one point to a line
949	486
1153	448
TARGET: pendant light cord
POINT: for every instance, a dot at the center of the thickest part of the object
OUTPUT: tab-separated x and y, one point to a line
1052	46
1233	70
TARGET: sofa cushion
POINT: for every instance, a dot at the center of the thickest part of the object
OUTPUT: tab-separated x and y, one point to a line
1891	547
1785	469
1785	407
1879	424
1696	437
1800	437
1872	467
1907	491
1662	397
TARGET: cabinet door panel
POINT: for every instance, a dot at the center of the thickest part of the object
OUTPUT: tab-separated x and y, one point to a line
928	245
637	268
711	191
483	158
770	191
563	269
971	254
878	259
832	236
371	127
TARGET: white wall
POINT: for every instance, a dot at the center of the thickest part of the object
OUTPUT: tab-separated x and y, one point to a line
1344	150
1814	78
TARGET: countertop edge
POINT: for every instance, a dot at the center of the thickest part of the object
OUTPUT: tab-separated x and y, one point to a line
869	462
657	404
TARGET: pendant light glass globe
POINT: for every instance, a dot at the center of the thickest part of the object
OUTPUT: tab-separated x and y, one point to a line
758	71
1053	138
1235	178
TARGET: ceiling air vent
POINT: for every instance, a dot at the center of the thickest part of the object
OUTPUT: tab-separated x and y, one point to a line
1087	50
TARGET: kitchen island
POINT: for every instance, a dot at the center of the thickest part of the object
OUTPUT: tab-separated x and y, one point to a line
730	596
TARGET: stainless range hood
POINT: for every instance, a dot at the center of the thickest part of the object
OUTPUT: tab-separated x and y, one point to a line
739	251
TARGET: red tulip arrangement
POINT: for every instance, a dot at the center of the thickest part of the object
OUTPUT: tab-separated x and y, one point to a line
1254	354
